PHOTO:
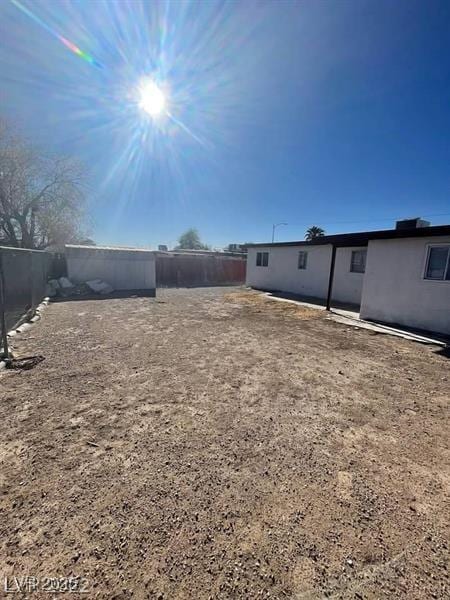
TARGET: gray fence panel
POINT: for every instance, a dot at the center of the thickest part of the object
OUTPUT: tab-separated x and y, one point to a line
16	275
24	277
40	264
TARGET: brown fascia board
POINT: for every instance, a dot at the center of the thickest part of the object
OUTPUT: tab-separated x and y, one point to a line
362	238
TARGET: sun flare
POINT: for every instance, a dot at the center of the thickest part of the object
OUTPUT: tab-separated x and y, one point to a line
152	99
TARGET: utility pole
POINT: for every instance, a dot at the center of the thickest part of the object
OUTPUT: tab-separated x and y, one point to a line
274	226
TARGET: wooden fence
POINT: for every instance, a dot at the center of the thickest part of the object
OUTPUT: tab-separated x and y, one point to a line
195	270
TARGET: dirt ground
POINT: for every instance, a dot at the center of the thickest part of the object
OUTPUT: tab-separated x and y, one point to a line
213	443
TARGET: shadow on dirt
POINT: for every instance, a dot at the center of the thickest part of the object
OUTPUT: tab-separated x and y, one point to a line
312	300
445	352
24	364
150	293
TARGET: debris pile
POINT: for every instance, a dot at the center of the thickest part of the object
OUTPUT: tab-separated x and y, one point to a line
64	288
99	287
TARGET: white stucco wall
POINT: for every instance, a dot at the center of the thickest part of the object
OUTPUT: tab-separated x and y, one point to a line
284	275
395	290
347	286
123	269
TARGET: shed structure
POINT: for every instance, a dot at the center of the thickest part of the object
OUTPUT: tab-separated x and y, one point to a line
125	269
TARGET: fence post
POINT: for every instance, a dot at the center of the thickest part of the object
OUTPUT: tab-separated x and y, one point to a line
4	340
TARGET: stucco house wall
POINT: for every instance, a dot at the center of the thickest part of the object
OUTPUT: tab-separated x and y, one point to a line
347	286
283	274
122	268
395	290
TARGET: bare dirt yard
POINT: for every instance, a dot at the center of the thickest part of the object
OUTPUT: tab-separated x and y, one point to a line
213	443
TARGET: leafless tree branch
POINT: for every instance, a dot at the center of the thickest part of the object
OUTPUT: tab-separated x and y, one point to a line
41	197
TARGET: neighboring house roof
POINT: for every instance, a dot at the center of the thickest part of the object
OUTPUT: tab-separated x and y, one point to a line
184	252
362	238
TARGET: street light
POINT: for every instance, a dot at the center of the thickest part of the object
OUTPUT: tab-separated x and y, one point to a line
274	226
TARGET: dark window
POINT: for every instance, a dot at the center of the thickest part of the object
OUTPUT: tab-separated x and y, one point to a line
438	263
358	262
302	259
262	259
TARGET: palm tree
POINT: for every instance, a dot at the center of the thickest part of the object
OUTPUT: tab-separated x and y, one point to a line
314	232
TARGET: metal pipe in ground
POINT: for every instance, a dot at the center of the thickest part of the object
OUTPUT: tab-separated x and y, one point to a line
4	342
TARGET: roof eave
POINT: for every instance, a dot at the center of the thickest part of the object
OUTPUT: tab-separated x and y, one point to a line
362	238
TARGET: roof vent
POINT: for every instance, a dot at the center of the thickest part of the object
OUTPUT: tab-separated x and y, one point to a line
411	223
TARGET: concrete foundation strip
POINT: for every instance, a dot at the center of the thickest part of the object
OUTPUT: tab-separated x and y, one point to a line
27	325
346	318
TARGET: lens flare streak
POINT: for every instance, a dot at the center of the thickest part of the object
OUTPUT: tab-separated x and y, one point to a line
68	44
187	130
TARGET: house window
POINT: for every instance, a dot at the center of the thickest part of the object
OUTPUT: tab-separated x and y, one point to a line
438	263
262	259
358	262
302	259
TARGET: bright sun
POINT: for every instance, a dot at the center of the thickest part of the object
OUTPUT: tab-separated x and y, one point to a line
152	99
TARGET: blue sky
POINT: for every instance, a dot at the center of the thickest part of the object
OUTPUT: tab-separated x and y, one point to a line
335	114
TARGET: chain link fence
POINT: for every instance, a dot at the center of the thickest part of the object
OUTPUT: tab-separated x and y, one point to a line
23	279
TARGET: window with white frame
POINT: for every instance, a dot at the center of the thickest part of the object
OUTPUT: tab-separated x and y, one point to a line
438	263
358	261
262	259
302	259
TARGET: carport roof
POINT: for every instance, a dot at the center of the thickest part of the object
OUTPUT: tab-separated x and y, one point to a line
362	238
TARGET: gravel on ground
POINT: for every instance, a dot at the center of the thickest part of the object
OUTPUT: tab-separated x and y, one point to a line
212	443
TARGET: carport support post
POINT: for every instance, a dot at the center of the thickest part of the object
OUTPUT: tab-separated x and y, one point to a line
330	281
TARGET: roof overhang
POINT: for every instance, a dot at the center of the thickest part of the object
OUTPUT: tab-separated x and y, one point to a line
346	240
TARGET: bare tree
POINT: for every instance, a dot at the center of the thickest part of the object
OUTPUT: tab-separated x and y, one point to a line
41	197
